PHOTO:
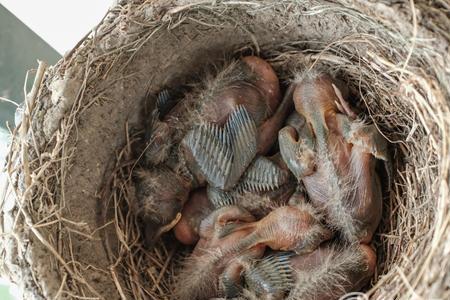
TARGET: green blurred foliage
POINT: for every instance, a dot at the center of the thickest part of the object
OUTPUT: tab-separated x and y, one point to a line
4	293
20	48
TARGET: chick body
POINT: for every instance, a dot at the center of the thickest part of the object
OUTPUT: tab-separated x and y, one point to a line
327	273
197	208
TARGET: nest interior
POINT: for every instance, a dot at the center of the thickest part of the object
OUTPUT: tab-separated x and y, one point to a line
68	227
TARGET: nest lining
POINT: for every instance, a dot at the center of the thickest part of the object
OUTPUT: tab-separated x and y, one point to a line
72	156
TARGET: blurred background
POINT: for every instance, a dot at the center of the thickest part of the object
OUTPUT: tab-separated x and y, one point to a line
30	31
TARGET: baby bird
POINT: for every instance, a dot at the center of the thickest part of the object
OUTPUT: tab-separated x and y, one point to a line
244	95
325	274
197	208
215	265
241	120
250	82
160	195
334	156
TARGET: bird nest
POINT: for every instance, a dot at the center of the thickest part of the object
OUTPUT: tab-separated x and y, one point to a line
68	224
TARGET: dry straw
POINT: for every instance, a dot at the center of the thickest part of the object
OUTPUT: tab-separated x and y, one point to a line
68	228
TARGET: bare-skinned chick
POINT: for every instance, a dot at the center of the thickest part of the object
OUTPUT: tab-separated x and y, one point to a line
214	267
334	155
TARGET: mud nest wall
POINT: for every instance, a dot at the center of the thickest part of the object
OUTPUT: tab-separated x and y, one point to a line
68	230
